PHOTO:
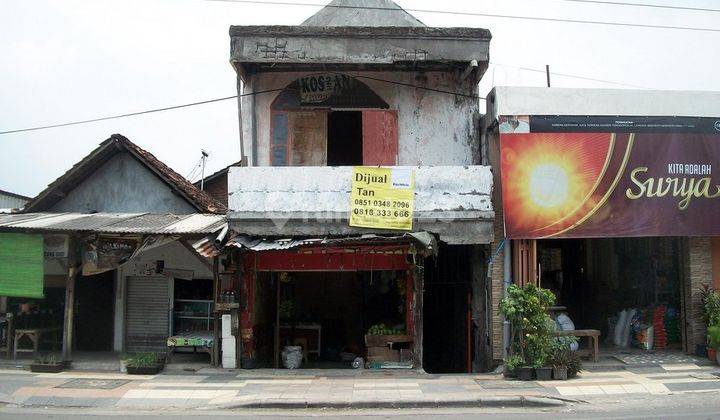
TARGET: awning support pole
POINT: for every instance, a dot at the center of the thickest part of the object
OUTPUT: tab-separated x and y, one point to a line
69	303
419	283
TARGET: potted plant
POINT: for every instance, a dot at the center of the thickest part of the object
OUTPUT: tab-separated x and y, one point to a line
47	363
714	340
531	328
525	373
124	361
145	364
711	316
511	364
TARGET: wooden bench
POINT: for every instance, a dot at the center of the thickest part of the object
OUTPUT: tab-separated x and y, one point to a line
593	349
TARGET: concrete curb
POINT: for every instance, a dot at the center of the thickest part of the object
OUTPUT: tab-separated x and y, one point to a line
490	401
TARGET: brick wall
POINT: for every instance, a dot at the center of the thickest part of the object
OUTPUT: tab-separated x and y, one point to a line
496	286
699	272
218	188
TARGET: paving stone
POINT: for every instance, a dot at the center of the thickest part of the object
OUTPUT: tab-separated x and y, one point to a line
694	386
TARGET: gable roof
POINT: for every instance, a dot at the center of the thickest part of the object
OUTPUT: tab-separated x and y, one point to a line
215	175
102	154
362	13
14	195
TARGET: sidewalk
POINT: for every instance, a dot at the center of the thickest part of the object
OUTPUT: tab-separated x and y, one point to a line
283	389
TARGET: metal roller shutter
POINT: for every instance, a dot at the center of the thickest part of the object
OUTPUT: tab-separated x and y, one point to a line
147	314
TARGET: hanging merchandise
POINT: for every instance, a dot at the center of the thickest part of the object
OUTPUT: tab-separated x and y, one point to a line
658	321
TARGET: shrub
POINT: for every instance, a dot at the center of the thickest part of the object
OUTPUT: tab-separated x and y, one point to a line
531	327
47	359
144	360
513	362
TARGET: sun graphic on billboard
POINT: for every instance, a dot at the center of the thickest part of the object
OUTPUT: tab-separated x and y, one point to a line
550	178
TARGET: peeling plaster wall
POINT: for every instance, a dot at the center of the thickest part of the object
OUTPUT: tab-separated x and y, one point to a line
434	128
123	185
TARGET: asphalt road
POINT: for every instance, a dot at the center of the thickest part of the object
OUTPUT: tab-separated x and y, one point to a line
686	406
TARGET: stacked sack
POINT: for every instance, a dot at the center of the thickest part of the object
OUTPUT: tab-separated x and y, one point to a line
658	323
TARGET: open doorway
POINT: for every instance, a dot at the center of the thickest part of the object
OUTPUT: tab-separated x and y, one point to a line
94	314
344	138
631	289
328	314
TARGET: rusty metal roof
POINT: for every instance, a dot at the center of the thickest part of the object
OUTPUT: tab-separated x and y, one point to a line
212	244
107	149
121	223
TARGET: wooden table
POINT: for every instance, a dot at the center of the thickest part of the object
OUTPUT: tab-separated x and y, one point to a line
593	343
34	334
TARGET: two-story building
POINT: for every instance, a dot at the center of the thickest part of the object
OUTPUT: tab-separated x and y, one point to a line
370	86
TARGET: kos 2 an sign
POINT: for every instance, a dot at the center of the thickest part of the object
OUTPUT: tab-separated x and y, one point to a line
316	89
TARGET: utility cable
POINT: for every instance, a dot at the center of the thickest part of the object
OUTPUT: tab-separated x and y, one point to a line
464	95
572	76
131	114
478	14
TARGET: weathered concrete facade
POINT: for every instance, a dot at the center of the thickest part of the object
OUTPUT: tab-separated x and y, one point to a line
434	128
424	82
123	185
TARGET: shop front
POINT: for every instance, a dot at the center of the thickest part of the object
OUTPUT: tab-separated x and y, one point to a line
612	204
332	298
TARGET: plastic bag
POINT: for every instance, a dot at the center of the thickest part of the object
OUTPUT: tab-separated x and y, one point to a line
292	357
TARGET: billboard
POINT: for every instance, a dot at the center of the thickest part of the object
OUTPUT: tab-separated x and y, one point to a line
605	176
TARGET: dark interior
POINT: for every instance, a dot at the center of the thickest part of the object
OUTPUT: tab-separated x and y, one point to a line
344	305
94	300
448	288
597	278
344	140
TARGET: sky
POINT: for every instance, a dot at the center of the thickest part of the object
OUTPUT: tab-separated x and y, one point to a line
69	60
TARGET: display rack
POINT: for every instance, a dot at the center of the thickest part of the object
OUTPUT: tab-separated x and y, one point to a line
193	315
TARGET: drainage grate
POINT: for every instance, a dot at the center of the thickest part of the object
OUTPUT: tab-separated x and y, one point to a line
91	383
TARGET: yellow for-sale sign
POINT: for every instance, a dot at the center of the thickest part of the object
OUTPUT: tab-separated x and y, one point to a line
382	198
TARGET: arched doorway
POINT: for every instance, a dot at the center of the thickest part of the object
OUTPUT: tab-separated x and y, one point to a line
332	120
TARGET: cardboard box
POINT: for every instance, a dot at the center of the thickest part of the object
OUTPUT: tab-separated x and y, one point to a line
382	354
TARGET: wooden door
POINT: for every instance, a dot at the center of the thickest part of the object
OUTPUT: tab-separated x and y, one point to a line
380	137
308	138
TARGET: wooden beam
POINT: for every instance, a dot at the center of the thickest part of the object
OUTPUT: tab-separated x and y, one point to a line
216	324
67	344
419	282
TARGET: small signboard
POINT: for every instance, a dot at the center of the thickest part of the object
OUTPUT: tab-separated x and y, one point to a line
56	246
319	88
382	198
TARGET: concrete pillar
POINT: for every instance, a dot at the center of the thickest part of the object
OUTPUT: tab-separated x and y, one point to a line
119	322
698	273
67	343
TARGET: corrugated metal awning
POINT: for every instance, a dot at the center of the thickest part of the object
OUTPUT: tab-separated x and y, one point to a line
211	245
121	223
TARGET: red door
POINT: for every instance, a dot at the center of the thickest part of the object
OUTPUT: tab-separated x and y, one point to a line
380	137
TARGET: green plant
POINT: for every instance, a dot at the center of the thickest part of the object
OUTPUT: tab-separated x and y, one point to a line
382	329
47	359
513	362
144	360
531	326
711	305
713	333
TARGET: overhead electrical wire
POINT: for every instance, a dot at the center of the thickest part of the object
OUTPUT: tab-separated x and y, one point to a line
573	76
131	114
168	108
478	14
